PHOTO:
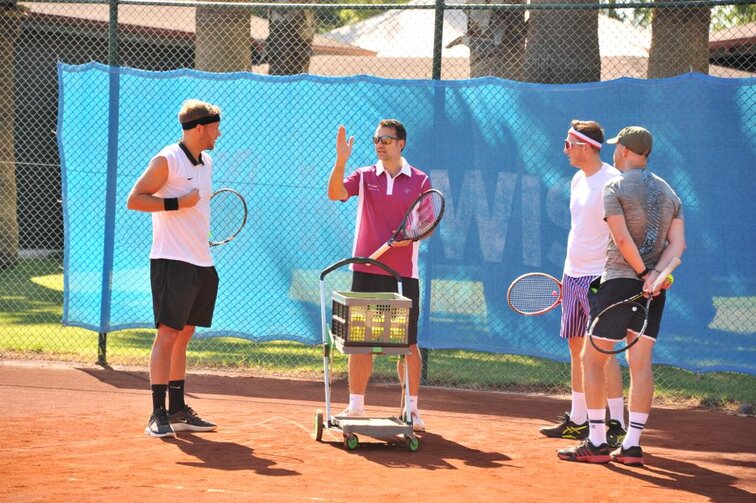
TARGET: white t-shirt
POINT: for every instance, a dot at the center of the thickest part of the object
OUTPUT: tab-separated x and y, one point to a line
589	233
183	234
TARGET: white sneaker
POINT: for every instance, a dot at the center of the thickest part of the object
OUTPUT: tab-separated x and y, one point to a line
351	413
417	422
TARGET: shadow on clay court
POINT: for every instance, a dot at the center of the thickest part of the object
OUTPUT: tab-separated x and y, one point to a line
381	395
677	475
435	453
670	428
224	455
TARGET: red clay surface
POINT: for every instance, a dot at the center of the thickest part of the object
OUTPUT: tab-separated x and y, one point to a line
76	434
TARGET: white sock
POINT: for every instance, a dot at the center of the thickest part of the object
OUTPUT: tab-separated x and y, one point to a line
578	414
413	404
637	423
356	402
597	426
617	410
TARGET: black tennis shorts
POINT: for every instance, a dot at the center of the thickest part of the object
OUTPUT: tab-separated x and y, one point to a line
182	293
366	282
616	290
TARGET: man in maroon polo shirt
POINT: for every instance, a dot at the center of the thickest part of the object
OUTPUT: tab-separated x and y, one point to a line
385	192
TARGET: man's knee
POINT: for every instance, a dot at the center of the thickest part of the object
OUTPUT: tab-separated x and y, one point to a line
167	334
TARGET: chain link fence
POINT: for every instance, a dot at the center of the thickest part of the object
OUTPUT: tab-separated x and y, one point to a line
540	41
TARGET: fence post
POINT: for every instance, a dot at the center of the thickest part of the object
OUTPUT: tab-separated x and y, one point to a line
114	91
102	349
113	55
438	33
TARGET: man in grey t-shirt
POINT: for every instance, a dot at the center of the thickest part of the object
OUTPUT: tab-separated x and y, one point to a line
645	219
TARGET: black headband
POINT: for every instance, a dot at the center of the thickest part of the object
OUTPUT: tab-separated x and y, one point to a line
204	120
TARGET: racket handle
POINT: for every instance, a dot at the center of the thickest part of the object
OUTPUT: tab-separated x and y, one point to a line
380	251
666	272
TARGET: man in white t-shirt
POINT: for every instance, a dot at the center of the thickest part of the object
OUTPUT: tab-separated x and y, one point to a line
586	256
176	188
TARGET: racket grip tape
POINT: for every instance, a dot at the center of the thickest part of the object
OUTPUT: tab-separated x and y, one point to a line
380	251
666	272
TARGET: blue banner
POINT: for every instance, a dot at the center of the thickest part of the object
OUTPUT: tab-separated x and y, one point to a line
493	147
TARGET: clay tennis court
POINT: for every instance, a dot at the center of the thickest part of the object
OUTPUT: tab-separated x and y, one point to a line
76	433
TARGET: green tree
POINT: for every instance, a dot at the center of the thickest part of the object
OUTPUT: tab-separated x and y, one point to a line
330	19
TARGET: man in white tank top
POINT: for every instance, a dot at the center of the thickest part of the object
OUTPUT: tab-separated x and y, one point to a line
586	255
176	188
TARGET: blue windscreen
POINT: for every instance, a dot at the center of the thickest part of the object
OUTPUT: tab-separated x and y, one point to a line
493	147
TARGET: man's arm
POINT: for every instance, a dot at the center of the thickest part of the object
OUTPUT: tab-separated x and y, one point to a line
336	189
675	248
624	242
154	177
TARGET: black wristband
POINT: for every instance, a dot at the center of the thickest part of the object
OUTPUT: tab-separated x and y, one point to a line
170	204
645	271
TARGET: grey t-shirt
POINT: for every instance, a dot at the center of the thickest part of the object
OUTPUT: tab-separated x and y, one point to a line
649	205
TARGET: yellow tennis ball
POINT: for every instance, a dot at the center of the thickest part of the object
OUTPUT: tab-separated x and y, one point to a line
670	279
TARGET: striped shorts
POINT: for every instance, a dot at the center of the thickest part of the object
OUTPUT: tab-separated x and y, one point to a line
575	308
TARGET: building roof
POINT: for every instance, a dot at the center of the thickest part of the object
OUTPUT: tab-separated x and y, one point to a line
409	34
742	36
162	22
740	33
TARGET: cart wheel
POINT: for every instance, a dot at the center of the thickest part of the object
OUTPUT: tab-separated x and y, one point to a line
412	443
351	441
317	431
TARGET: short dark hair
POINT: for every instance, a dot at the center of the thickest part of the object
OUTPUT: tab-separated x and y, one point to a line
398	127
591	129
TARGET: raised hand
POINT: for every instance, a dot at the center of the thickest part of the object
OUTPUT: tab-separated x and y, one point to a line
343	146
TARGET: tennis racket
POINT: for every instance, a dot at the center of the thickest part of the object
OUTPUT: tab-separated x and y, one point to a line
620	319
419	221
534	293
228	214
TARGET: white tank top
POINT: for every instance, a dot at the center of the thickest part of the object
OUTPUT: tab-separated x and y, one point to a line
183	234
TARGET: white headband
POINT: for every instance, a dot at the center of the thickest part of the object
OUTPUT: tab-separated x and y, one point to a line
574	132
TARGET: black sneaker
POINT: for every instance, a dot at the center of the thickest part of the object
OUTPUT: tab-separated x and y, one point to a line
586	452
615	434
567	429
159	425
632	456
188	420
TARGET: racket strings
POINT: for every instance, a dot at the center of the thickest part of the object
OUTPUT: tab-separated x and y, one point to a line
615	321
424	215
227	213
533	293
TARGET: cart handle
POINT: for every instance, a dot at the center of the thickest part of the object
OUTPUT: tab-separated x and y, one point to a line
360	260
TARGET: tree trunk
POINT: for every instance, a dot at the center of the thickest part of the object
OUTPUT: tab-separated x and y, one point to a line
222	39
289	45
679	41
563	45
497	41
10	20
